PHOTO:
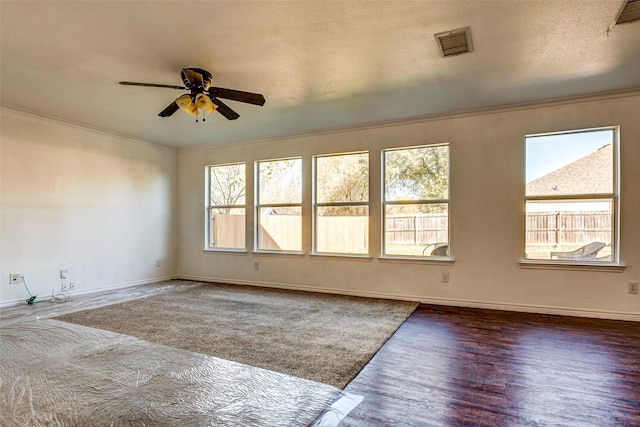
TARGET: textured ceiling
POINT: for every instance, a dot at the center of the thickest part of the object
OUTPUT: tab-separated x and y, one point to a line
321	65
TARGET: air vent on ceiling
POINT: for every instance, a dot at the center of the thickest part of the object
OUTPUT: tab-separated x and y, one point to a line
629	12
455	42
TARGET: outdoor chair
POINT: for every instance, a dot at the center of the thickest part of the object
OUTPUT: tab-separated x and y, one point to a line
439	249
587	252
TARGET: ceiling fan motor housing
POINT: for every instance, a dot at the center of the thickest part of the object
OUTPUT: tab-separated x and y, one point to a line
196	79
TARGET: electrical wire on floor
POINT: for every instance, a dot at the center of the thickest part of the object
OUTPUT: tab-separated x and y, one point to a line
65	296
32	298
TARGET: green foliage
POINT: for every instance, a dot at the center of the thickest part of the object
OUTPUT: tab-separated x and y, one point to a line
417	174
342	179
414	174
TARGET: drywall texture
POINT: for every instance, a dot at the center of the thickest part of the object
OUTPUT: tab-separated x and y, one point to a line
486	208
99	206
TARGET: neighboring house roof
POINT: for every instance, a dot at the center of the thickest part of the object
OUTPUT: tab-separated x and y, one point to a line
588	175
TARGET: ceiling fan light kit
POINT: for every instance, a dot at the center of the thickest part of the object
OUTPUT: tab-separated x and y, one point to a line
185	104
203	102
203	97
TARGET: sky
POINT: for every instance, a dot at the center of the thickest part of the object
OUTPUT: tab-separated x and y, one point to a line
547	153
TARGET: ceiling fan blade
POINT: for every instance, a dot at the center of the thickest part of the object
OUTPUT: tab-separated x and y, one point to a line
171	108
225	110
152	85
237	95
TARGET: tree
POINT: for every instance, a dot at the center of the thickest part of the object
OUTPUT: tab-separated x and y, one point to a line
342	179
417	174
228	186
280	183
414	174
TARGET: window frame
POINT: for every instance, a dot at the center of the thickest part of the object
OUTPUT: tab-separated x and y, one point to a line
317	205
385	204
258	206
613	198
209	207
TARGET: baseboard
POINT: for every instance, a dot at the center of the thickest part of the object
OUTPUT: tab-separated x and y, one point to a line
97	290
538	309
524	308
299	288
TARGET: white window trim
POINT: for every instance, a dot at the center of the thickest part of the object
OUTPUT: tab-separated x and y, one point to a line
317	205
209	209
439	260
605	266
258	206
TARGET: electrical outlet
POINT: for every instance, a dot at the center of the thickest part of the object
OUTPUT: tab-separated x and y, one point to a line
445	278
14	278
72	286
158	263
256	265
63	287
633	287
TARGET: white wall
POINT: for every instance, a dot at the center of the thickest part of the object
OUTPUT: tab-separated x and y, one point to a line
101	206
487	237
107	208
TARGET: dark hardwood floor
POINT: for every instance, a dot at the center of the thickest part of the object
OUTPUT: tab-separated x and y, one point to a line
450	366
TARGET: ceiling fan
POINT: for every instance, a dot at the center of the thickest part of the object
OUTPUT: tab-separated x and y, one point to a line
203	96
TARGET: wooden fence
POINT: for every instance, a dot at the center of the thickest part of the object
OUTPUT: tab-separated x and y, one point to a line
555	228
351	234
343	234
281	232
227	231
417	229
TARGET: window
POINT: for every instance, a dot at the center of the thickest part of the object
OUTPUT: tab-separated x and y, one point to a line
279	205
416	201
571	196
227	206
341	204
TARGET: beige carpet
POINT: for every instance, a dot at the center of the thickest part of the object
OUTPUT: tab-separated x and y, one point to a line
320	337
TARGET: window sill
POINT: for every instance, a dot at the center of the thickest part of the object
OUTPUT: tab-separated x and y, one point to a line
226	251
416	260
547	265
341	257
